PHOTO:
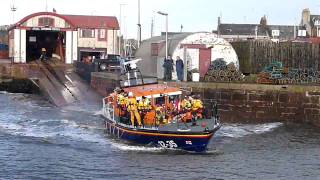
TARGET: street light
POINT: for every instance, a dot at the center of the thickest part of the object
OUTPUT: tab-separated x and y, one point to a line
165	14
139	25
120	31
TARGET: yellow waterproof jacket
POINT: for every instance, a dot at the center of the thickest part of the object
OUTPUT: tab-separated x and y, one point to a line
132	104
144	104
186	104
120	98
196	104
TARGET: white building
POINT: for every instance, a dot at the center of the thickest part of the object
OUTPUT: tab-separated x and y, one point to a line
197	49
68	37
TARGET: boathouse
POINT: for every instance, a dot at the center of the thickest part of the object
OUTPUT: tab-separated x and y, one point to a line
65	37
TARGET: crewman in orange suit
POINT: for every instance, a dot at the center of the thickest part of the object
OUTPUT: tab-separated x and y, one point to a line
186	108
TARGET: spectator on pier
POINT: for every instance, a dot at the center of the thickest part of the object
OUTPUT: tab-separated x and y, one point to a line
168	68
179	68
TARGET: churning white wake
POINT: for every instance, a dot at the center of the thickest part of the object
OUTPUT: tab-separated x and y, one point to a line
240	130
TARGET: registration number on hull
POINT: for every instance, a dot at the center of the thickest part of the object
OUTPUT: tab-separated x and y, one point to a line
168	144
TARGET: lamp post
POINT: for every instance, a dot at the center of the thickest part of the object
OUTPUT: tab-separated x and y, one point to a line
139	25
120	32
165	14
11	46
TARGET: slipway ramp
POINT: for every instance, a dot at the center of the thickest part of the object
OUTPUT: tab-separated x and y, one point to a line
62	86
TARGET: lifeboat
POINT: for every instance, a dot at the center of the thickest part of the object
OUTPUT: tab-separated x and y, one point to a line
165	123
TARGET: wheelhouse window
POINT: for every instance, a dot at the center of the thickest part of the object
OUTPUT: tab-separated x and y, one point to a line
174	98
159	101
46	21
87	33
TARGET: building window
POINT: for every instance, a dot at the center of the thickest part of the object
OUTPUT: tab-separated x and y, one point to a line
102	33
275	33
46	21
87	33
154	49
302	33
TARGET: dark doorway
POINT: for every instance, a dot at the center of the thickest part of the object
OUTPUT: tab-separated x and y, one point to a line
52	41
88	57
204	60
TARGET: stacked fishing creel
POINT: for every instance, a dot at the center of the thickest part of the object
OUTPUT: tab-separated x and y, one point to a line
219	71
275	73
271	74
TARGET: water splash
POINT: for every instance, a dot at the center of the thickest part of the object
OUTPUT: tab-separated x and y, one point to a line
127	147
97	113
240	130
52	128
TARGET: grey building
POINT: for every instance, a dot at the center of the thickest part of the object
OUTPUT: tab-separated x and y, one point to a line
243	32
233	32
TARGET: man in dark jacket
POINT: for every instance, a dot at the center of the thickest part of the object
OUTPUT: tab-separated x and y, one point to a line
168	68
179	68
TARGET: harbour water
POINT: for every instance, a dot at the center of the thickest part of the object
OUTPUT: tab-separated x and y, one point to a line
41	141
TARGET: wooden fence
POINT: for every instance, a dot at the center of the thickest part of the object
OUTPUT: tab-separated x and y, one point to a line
255	55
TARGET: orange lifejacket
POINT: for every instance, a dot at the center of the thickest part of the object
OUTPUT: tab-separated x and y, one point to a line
187	116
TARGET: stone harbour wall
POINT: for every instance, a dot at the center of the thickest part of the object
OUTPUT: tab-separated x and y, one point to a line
254	103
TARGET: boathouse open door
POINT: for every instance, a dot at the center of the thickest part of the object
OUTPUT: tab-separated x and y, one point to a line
204	60
71	46
19	46
52	41
52	31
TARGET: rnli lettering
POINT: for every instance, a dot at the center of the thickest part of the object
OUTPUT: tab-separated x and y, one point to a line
168	144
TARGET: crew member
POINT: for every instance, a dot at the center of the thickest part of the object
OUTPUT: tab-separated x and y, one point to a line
144	104
186	109
121	102
43	54
133	109
123	106
159	115
186	104
197	107
144	107
172	109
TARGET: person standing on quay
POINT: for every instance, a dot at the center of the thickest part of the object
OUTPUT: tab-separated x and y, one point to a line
168	68
179	68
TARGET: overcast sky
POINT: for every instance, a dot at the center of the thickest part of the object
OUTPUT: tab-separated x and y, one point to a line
194	15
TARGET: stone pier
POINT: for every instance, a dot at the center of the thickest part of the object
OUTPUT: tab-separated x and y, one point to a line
256	103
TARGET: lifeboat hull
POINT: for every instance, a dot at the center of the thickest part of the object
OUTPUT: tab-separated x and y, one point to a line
189	141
